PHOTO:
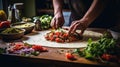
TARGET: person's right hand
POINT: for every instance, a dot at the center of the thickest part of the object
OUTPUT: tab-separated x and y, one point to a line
57	21
81	24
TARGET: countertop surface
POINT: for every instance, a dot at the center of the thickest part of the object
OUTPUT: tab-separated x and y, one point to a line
54	57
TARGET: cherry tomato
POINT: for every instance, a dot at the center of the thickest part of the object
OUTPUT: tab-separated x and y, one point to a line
69	56
109	57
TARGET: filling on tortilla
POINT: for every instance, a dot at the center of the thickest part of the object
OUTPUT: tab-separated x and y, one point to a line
61	36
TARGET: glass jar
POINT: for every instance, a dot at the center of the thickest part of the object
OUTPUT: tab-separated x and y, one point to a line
37	25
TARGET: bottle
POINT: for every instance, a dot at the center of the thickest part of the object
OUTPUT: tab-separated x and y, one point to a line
37	25
13	18
9	13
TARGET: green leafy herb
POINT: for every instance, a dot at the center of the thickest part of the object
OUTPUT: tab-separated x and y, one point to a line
105	45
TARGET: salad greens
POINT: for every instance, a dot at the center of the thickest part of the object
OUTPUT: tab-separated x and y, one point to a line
45	21
94	50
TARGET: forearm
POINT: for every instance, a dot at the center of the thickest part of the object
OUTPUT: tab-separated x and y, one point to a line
57	4
94	11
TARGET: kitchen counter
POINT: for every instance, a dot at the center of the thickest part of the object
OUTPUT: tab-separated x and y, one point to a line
55	57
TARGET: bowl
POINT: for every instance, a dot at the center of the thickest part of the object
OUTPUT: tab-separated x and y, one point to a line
9	34
115	34
28	26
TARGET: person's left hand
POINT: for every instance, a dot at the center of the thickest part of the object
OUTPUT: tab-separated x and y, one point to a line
78	25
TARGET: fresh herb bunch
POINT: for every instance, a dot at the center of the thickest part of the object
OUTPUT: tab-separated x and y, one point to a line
105	45
45	21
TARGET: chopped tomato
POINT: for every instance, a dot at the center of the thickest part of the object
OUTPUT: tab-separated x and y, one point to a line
57	33
52	38
44	49
60	36
18	46
59	40
47	37
65	35
39	48
69	56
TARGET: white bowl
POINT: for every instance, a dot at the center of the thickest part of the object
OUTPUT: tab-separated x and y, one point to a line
115	34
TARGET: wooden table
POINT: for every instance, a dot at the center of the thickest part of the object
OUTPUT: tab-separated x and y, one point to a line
55	57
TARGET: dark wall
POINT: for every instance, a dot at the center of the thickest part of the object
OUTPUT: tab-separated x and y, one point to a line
1	7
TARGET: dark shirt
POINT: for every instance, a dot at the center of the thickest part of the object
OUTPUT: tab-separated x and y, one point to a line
108	18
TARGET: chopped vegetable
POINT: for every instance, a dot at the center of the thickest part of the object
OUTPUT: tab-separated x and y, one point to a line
61	36
25	49
23	25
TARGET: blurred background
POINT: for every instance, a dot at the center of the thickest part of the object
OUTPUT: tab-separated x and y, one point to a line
35	8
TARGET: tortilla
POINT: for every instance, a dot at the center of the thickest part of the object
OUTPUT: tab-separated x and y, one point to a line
39	39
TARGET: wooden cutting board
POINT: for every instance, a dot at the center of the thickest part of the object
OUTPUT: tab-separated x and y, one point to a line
38	38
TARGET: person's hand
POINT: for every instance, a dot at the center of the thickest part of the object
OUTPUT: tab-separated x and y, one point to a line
57	21
78	25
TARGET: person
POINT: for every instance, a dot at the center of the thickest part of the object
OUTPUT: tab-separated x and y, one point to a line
87	13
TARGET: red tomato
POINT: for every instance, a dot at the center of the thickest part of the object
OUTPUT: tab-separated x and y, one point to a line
69	56
44	49
18	46
47	37
37	48
4	24
57	33
52	38
58	40
65	35
109	57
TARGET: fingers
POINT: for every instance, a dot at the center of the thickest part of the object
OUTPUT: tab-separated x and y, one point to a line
72	28
77	25
53	23
56	24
